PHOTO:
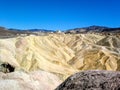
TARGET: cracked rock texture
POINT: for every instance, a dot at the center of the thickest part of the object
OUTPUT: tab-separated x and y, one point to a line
92	80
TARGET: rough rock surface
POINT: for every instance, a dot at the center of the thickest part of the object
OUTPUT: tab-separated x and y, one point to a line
92	80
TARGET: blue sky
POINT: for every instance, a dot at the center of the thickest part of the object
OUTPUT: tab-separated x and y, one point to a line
59	14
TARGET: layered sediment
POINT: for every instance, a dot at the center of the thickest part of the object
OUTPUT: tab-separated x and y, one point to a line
60	54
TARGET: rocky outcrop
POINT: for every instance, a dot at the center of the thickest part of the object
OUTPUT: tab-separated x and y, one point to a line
92	80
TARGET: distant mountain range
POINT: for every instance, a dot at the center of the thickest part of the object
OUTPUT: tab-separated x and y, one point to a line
33	30
13	32
98	29
93	29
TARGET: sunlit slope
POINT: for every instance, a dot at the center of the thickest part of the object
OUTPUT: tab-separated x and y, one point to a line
36	80
62	54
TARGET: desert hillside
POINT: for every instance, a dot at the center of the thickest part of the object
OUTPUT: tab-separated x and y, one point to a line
59	55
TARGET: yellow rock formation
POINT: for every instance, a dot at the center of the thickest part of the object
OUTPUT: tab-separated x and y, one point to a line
62	54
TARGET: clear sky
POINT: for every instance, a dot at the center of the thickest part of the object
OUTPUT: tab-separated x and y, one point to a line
59	14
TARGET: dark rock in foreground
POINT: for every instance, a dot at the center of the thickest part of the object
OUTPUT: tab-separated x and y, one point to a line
92	80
